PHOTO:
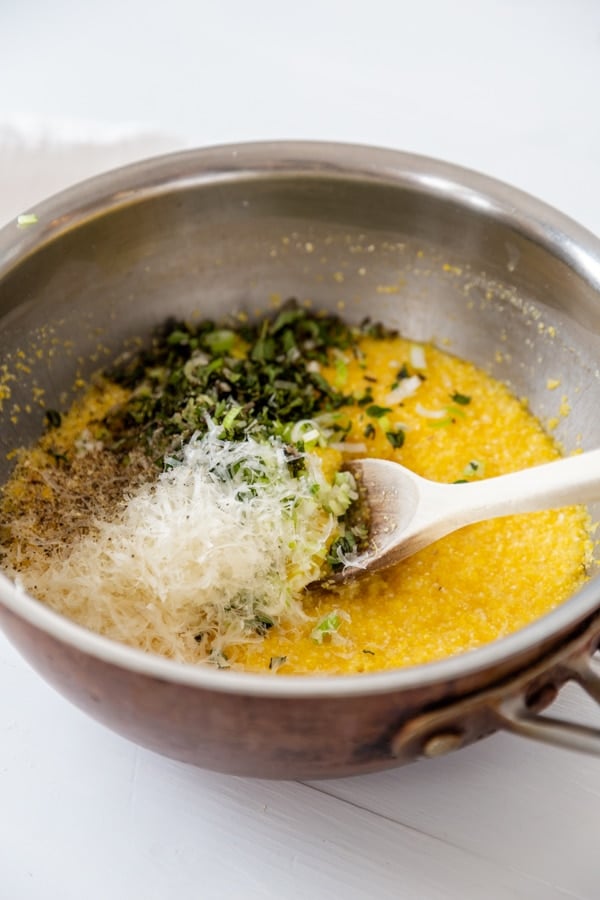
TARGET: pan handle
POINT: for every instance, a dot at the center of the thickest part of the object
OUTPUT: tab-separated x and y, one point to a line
516	715
515	705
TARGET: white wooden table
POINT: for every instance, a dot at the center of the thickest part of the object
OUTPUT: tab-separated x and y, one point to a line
505	87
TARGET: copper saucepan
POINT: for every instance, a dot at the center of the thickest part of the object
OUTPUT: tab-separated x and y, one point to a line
441	253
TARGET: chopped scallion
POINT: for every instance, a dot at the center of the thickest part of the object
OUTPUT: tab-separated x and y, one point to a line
26	219
327	626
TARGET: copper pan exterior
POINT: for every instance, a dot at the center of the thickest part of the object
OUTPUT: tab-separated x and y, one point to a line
443	254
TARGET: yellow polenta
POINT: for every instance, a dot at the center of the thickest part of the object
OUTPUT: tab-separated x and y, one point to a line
472	587
455	423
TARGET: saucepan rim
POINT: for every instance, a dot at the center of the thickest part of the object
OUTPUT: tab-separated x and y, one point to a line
103	194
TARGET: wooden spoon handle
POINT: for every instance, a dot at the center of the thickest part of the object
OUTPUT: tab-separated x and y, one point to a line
572	480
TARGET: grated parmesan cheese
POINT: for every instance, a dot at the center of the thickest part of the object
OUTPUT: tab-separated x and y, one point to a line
212	553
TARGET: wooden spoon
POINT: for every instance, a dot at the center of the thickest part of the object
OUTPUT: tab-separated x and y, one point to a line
409	512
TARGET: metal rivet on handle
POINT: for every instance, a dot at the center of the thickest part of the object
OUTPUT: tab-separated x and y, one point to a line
442	743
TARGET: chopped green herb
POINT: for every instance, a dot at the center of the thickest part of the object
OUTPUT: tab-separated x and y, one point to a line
229	419
461	399
276	661
369	431
287	317
376	412
273	378
57	456
178	337
473	468
220	340
261	623
375	329
366	398
340	549
396	438
53	418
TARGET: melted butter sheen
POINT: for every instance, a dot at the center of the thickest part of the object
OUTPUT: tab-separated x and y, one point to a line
472	587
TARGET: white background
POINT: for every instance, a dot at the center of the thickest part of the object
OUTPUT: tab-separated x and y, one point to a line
509	88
